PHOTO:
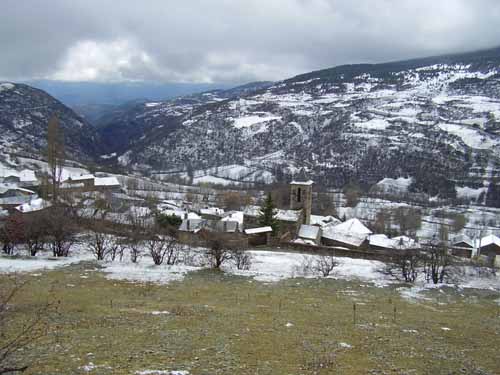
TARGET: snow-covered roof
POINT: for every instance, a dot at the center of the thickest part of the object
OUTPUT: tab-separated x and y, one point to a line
214	211
106	181
27	175
34	205
258	230
14	201
5	188
345	238
352	232
81	177
353	226
381	240
405	242
463	238
182	214
401	242
310	232
324	220
306	183
236	216
489	240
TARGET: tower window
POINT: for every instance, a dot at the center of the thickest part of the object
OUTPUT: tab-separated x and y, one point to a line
299	197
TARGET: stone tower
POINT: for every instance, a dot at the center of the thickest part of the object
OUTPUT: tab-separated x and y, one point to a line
301	198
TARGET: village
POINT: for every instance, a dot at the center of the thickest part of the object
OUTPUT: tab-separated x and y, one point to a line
296	228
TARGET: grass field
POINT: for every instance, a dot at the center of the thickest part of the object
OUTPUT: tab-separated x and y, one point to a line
214	323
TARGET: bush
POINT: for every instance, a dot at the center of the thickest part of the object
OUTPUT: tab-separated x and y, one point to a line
166	221
325	264
242	259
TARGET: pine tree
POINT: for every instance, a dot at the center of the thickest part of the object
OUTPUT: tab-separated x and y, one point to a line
267	213
493	194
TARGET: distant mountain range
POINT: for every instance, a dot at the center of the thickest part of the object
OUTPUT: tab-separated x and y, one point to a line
434	122
24	114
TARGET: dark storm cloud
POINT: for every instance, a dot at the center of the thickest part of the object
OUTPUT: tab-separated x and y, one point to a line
229	40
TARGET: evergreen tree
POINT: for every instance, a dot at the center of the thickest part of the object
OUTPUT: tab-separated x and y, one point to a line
267	213
493	195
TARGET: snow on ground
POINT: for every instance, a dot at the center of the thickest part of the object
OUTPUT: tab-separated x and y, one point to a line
43	261
6	86
213	180
467	277
464	192
470	136
247	121
272	266
373	124
146	271
394	185
266	266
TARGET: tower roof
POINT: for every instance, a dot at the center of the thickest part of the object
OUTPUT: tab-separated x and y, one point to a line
307	183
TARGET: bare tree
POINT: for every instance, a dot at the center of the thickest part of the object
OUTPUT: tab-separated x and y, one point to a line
135	247
55	156
404	265
437	263
325	264
306	265
409	219
230	200
119	250
16	338
102	245
218	252
162	248
242	259
35	232
61	232
12	233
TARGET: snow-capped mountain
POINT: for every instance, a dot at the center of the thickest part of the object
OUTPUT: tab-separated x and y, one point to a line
24	116
434	120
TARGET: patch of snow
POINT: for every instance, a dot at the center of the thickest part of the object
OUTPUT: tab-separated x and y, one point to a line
394	185
6	86
44	261
471	137
247	121
465	192
373	124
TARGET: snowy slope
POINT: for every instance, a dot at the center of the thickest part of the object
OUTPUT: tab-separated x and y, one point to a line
435	119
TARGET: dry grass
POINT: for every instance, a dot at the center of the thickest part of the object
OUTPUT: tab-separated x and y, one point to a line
220	324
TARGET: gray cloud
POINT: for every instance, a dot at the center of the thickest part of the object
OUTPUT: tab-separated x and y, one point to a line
228	40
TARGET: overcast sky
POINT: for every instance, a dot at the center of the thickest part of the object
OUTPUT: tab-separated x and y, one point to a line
224	41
